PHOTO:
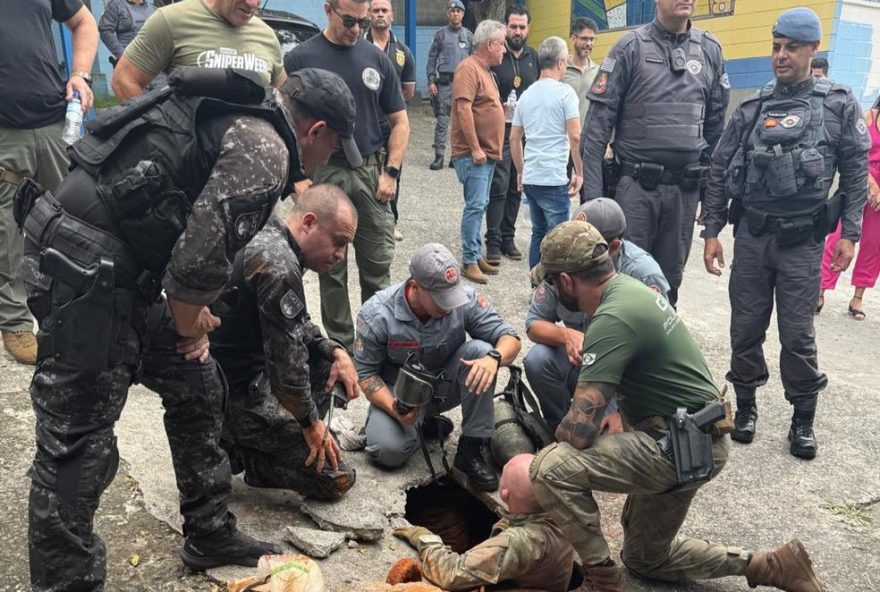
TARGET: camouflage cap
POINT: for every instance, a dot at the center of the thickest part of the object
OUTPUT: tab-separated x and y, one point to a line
435	269
571	247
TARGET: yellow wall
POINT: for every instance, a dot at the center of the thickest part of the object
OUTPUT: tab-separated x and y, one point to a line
745	34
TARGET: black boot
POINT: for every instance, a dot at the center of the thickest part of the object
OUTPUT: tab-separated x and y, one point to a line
226	546
745	421
510	251
437	164
801	437
472	460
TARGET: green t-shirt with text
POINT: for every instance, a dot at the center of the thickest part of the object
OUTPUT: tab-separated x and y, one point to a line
188	34
636	341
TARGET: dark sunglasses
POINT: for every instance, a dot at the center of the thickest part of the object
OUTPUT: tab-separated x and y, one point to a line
349	21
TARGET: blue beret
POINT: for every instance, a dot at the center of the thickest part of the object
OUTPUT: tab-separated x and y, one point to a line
455	4
798	24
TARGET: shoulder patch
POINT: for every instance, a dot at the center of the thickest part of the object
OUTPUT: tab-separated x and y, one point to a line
291	305
589	359
725	81
608	65
482	301
600	85
359	346
362	326
861	127
540	293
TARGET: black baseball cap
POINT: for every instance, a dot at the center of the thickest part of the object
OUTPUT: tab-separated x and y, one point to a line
328	98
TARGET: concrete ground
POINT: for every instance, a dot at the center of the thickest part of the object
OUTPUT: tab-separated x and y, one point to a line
762	498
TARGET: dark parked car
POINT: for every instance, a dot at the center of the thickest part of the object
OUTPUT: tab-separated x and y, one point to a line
290	28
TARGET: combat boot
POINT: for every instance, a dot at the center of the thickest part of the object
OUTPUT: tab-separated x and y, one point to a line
21	345
787	568
472	460
493	255
745	422
802	440
472	272
226	546
510	251
602	578
437	164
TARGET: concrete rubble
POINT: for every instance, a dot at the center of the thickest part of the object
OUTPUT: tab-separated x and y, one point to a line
313	542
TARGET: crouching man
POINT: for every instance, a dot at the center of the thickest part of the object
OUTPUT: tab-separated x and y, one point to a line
637	345
526	548
430	316
279	367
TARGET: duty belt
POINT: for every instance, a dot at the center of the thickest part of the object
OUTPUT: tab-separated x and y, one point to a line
663	175
49	225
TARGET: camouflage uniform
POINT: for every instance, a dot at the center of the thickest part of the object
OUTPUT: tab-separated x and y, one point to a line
277	363
526	550
76	409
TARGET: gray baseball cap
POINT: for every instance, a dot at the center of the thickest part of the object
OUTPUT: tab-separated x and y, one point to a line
435	269
604	214
328	98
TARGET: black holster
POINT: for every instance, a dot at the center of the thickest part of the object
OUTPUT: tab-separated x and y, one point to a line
650	175
81	326
691	443
609	178
693	176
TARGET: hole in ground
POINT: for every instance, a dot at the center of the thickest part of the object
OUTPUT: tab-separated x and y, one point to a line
457	517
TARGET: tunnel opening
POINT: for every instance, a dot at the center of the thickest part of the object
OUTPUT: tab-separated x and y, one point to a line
459	518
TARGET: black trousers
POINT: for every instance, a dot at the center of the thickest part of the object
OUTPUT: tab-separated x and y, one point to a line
504	200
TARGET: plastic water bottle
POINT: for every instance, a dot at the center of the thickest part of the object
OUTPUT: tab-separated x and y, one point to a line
73	120
510	106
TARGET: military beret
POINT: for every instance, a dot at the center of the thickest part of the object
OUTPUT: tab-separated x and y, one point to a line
798	24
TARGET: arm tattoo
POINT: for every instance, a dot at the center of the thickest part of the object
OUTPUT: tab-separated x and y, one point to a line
372	384
580	427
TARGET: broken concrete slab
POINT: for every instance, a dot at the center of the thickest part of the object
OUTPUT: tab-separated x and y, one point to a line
313	542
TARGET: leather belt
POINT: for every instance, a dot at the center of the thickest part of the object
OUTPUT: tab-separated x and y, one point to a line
10	177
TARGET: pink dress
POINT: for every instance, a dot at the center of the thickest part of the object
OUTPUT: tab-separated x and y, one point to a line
867	266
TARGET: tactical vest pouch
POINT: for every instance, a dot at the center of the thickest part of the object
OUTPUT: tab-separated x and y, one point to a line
230	85
692	444
735	175
26	194
784	122
160	226
811	163
650	175
79	331
780	174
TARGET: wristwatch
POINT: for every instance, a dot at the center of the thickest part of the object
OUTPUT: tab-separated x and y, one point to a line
495	355
392	172
84	75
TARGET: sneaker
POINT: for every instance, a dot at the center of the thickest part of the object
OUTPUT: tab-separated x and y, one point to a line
21	345
226	546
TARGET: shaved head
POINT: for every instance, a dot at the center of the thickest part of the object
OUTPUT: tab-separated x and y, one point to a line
324	201
323	221
516	487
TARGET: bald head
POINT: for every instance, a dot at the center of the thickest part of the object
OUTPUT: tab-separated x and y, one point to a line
323	222
516	487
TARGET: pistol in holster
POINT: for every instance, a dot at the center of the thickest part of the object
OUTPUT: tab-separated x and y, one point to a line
691	442
25	197
80	326
609	178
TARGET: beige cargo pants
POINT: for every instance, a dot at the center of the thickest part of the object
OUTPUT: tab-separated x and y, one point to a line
632	463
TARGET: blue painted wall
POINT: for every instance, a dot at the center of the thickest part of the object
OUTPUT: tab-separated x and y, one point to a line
850	58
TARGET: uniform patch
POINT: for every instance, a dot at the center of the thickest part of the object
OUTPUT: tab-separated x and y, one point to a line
600	84
248	224
694	67
860	125
589	359
362	326
540	293
291	305
359	346
400	57
482	301
608	65
725	81
790	121
451	274
371	78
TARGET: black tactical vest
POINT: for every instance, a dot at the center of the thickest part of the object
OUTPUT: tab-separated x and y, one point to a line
663	114
152	156
786	166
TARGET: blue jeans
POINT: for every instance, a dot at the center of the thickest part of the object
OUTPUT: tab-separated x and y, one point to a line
548	206
477	179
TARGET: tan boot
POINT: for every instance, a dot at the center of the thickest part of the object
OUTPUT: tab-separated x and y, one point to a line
472	272
21	345
487	267
787	568
602	579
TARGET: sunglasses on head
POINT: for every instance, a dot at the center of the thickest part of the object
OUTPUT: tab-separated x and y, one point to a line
349	21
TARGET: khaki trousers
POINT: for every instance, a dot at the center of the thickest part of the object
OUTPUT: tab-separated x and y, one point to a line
632	463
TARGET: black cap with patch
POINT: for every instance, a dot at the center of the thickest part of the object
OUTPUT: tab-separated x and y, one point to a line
327	97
